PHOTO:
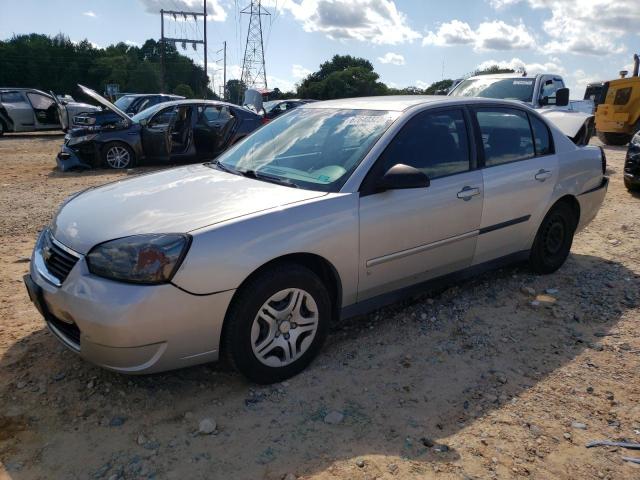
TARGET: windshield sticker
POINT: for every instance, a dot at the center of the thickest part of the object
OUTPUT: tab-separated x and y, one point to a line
523	82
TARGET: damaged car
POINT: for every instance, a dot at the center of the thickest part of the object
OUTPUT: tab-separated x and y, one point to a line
31	110
544	92
178	131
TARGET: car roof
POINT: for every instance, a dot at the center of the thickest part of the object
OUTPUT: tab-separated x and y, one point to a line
193	101
400	103
150	95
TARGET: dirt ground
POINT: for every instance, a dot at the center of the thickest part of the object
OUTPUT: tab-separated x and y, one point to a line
473	382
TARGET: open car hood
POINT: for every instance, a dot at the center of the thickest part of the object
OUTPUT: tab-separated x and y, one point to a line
253	100
569	122
104	102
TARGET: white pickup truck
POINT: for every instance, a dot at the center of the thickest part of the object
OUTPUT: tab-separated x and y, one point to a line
544	92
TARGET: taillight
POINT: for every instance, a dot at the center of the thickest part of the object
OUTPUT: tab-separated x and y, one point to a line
603	159
264	120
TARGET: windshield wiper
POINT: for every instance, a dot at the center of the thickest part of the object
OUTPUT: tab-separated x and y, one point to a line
223	167
267	178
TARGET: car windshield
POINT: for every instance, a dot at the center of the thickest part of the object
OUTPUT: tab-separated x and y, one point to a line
124	102
269	105
503	88
312	148
149	112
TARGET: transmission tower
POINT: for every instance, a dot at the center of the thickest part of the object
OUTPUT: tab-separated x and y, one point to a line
254	73
184	41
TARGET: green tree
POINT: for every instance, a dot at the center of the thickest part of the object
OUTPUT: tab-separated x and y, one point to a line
184	91
235	91
492	70
343	76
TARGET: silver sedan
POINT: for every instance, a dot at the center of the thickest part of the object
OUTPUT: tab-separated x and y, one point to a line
329	211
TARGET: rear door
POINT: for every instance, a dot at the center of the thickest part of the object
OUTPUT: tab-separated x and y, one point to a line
19	110
519	173
411	235
156	136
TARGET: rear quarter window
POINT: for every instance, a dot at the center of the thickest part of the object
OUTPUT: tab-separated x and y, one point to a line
541	136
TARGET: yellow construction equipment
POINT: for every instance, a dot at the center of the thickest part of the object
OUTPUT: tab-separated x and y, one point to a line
618	117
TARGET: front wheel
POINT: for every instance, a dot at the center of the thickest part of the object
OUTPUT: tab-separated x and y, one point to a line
553	241
631	186
277	324
118	155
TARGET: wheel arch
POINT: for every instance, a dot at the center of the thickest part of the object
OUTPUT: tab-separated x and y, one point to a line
317	264
572	202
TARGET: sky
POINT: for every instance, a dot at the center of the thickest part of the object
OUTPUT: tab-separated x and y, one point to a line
409	42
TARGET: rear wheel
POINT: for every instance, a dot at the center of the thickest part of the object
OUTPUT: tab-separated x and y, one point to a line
277	324
609	138
554	238
118	155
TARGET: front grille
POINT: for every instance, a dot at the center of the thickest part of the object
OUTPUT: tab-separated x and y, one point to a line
58	261
69	331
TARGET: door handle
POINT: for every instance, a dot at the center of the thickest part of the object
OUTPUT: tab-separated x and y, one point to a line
467	193
542	175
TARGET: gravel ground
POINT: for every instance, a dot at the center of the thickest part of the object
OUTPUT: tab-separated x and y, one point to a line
473	382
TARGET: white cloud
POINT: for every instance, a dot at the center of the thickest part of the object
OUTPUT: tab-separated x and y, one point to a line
586	27
215	11
531	68
90	13
493	35
299	72
392	58
131	43
422	85
375	21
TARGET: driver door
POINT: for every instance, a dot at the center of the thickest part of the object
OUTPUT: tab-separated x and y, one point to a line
411	235
156	134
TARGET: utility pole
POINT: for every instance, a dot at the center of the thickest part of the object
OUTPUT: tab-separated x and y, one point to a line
224	73
162	51
254	73
164	40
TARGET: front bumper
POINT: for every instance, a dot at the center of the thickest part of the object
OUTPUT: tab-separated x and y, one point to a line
128	328
68	159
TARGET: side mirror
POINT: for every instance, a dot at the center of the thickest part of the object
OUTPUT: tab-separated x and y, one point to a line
143	122
562	97
402	176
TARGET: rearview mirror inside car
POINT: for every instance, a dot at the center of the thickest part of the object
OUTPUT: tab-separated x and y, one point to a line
402	176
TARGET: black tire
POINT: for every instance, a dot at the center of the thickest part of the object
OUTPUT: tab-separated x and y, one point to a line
632	187
237	342
554	238
609	138
113	146
2	128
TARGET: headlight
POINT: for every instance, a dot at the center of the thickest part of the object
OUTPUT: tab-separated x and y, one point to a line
147	259
82	139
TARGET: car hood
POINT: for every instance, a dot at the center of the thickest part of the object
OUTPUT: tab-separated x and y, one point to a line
103	101
569	122
177	200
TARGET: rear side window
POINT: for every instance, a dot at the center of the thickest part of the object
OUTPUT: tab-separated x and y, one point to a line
434	142
506	135
12	97
541	136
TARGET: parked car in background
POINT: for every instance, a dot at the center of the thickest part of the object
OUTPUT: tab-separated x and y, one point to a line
544	92
329	211
595	92
632	164
275	108
31	110
177	131
131	104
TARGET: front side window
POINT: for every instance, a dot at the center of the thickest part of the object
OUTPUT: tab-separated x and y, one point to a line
313	148
506	135
40	102
435	143
518	88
